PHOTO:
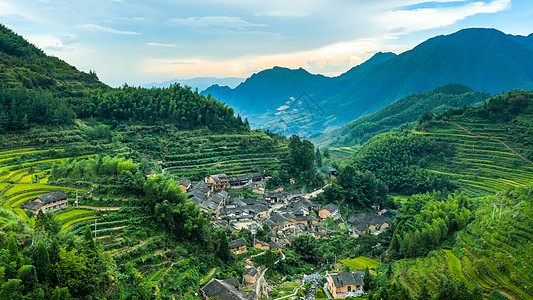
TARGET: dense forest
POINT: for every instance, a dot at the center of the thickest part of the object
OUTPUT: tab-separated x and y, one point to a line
42	90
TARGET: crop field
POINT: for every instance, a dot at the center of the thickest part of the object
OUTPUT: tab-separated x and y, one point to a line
490	254
342	153
23	177
486	160
198	156
360	263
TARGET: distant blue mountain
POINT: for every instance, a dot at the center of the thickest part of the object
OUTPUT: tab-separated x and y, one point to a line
486	60
200	83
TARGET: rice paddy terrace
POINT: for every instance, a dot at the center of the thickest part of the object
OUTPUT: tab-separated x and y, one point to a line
24	176
493	255
488	160
233	154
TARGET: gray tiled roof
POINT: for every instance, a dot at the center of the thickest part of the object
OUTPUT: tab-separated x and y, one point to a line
222	290
346	278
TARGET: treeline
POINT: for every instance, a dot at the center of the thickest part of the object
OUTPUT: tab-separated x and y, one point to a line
398	159
361	189
425	221
176	105
21	108
103	173
48	264
36	89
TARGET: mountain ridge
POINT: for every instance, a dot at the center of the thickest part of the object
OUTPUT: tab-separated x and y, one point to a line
486	60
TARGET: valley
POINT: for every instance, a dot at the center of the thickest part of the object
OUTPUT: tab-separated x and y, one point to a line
164	193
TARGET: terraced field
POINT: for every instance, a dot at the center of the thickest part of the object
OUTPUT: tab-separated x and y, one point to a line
342	153
22	182
230	154
494	255
484	163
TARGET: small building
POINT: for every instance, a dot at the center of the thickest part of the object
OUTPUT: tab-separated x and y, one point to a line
329	210
362	222
346	284
237	246
48	202
221	290
219	181
250	275
292	181
261	245
184	185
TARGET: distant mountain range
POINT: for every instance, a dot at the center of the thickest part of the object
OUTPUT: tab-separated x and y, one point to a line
486	60
200	83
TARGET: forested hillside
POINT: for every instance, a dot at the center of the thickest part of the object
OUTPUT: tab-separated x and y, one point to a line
404	111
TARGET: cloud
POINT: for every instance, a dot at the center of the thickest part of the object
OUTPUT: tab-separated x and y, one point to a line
118	1
94	27
216	22
282	13
161	45
404	21
330	60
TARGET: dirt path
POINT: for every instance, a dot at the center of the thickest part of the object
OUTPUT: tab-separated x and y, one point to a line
492	139
259	282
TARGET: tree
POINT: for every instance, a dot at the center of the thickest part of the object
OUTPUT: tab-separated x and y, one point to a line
88	240
427	115
41	261
318	157
223	251
70	271
367	280
28	278
307	246
60	294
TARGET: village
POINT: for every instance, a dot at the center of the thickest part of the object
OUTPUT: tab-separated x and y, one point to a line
285	215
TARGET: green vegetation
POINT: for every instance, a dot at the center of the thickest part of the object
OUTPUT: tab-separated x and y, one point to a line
399	113
360	263
489	255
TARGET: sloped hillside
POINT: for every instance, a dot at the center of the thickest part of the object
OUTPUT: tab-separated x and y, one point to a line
493	144
492	254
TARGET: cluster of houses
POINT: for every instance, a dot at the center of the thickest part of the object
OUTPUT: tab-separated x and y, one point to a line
287	215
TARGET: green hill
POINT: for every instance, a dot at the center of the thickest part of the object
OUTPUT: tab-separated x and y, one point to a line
403	111
493	144
493	253
480	150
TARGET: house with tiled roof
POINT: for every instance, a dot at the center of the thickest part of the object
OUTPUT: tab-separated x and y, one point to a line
250	274
219	181
237	246
221	290
48	202
330	210
346	284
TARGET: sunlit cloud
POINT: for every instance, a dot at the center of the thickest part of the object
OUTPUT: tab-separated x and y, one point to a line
94	27
404	21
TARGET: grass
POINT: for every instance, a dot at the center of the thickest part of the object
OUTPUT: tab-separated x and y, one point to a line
454	267
72	213
74	221
360	263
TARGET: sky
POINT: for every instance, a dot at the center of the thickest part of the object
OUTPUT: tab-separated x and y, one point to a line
142	41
